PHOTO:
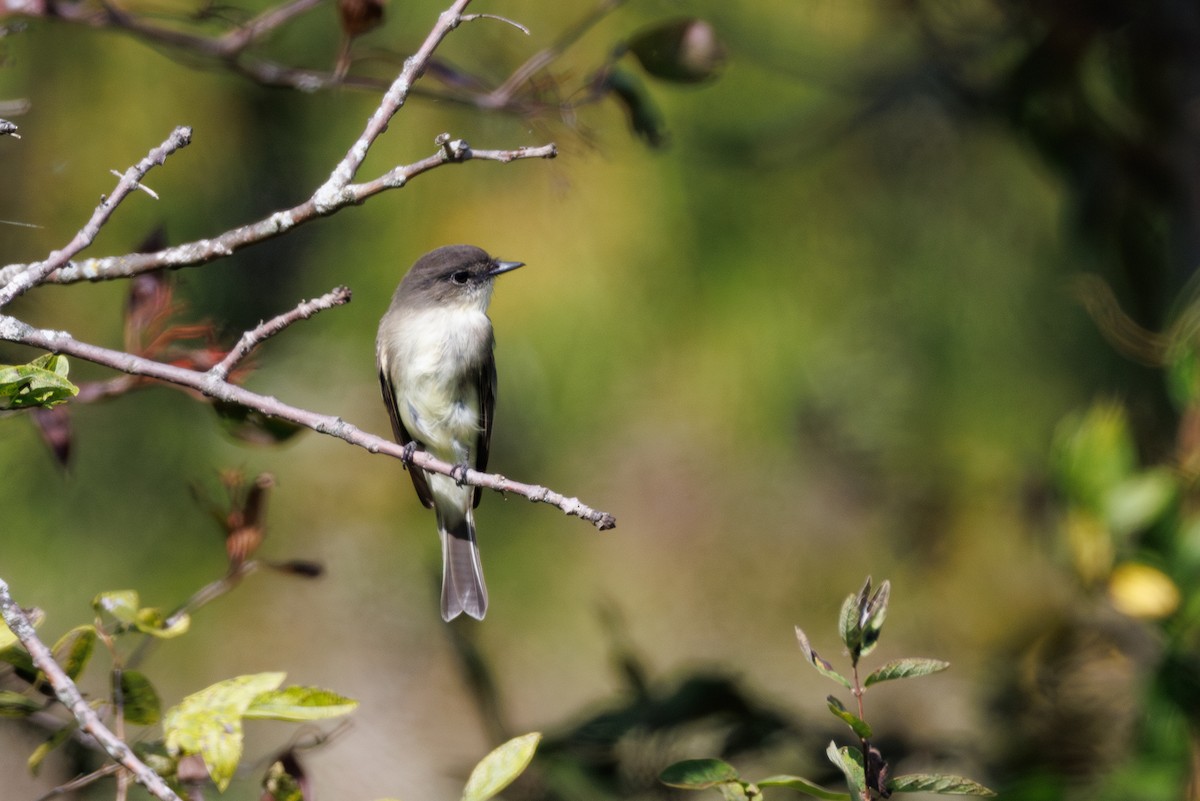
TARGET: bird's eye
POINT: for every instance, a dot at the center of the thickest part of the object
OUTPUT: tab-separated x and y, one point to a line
460	277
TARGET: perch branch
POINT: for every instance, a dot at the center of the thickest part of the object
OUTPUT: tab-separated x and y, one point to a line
213	386
72	699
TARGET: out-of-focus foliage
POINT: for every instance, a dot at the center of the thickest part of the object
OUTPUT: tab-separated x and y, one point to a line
826	332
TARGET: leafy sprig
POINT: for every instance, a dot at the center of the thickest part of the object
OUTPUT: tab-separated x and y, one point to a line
863	766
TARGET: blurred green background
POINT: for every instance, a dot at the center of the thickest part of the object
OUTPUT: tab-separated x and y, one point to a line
828	332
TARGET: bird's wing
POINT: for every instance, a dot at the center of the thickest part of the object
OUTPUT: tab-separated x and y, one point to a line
420	483
486	379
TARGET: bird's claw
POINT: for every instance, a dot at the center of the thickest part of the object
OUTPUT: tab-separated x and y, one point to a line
459	474
408	451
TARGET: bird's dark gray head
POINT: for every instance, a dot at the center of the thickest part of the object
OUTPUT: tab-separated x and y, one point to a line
450	276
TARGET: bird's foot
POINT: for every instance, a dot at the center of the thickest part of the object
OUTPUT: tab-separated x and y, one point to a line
409	449
459	473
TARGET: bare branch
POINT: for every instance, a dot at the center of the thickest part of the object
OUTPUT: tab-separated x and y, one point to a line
327	196
72	699
252	339
206	250
237	40
20	281
13	330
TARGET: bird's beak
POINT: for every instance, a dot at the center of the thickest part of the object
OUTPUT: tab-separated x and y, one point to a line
504	267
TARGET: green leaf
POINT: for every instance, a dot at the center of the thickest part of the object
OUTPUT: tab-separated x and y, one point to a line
1140	500
862	617
644	117
299	704
848	619
680	51
120	605
252	426
498	769
872	615
905	668
1093	453
15	705
850	762
698	774
738	791
74	649
1183	374
156	624
42	382
803	786
279	785
937	783
859	726
11	650
34	763
209	722
18	657
140	703
814	659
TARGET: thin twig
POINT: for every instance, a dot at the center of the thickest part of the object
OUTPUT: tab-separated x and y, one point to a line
72	699
31	275
503	94
255	337
79	782
206	594
13	330
241	37
498	18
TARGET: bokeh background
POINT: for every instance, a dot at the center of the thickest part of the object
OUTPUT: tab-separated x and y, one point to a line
829	331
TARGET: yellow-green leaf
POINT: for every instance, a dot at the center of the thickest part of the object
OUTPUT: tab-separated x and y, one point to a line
7	637
299	704
156	624
120	605
34	763
209	722
15	705
74	649
859	726
498	769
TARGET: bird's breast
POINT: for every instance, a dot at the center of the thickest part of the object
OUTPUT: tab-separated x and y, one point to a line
434	358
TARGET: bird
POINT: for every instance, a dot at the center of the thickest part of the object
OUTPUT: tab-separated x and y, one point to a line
437	373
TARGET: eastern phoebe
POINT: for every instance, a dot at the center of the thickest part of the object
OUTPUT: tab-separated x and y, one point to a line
438	376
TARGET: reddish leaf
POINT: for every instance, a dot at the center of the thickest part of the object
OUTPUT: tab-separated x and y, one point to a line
54	425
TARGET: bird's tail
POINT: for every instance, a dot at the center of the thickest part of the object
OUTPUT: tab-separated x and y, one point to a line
463	589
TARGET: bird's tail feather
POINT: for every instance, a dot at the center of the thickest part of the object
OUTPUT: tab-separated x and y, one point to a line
463	589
